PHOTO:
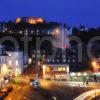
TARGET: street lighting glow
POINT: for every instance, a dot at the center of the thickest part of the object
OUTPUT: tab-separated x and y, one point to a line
4	69
79	74
10	62
94	64
73	74
85	74
16	62
56	31
44	67
30	61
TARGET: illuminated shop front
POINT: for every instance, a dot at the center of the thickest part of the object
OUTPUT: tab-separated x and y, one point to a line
79	76
56	72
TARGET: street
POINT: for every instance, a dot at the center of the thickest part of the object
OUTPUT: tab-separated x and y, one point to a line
49	90
22	91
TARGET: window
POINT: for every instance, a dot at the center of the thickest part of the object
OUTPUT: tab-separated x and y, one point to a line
73	60
9	62
48	60
61	69
16	62
64	60
20	32
68	60
57	60
53	60
0	60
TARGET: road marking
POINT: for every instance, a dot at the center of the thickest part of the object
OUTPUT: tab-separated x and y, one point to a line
87	94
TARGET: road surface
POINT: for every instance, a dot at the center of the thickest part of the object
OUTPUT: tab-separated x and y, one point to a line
22	91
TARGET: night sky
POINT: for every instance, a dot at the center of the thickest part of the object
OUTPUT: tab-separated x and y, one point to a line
71	12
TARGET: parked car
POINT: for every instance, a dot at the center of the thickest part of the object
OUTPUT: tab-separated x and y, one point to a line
9	89
2	95
5	91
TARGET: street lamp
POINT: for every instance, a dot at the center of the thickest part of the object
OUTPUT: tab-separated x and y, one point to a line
95	66
56	31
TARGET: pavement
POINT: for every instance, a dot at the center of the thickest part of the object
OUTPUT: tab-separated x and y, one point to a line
61	90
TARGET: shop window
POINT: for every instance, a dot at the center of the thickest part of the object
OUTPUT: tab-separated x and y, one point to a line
61	69
47	69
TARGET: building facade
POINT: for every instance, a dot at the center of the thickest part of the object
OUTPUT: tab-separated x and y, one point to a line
56	72
3	61
15	62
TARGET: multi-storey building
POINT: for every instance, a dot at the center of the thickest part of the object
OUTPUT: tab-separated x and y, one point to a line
15	62
11	62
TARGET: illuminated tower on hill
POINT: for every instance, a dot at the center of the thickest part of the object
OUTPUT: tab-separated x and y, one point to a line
30	20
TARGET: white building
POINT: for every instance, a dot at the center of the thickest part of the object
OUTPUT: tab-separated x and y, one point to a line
15	62
3	61
3	64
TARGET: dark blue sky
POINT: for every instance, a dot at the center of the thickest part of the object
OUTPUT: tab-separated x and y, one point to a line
72	12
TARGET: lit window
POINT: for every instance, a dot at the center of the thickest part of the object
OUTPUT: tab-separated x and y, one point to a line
33	56
63	56
53	60
37	31
29	60
38	51
10	31
9	62
48	60
47	69
64	60
40	20
20	32
48	32
32	21
18	20
16	62
3	30
32	31
9	54
61	69
73	60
